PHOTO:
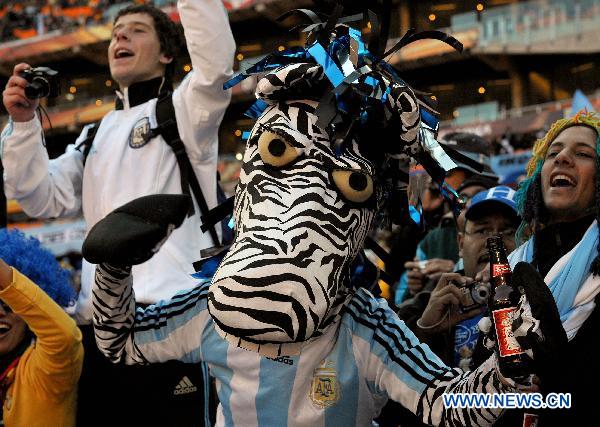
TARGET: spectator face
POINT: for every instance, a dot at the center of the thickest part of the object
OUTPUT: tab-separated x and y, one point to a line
569	174
472	242
12	330
134	52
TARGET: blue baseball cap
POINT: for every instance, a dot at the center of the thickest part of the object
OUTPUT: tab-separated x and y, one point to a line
500	196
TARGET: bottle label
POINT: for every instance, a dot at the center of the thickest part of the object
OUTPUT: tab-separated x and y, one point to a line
530	420
507	343
500	269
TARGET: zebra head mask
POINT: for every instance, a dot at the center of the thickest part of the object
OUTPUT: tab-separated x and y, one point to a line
302	212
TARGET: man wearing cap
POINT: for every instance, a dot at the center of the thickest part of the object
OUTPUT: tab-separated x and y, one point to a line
434	314
451	333
491	212
438	253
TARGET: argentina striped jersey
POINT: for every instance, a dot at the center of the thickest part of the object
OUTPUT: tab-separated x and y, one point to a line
342	378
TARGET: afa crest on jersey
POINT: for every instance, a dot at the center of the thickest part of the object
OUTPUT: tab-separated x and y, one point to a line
139	136
325	388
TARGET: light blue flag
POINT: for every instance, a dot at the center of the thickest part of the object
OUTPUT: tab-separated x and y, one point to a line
580	102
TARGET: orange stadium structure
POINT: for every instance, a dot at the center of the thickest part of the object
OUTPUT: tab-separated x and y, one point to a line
90	40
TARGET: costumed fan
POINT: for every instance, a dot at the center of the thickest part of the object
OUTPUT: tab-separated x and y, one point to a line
287	339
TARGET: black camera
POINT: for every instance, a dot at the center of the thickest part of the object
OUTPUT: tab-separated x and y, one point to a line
43	83
474	295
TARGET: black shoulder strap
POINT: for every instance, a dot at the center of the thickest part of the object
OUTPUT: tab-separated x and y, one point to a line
86	145
167	127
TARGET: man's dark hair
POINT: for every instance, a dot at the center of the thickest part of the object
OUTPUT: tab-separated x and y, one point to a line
168	32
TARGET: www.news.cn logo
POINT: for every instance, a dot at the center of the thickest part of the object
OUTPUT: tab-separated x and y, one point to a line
507	400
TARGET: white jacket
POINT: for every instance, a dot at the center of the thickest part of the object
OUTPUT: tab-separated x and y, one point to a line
115	173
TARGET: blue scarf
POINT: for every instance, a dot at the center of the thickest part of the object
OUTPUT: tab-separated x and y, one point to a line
566	283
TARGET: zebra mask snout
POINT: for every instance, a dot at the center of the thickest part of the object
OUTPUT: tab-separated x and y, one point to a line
284	279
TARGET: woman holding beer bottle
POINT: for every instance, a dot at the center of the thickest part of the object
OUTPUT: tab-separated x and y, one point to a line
559	204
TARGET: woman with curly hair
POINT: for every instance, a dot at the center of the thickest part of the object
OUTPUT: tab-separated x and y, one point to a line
40	345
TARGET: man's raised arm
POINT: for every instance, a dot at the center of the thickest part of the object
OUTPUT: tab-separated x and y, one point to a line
200	100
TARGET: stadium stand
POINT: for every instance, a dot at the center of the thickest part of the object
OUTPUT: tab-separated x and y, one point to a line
522	62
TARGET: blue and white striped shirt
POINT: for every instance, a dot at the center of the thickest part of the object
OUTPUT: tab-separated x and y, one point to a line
341	378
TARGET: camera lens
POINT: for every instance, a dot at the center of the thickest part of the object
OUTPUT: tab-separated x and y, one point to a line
480	293
38	88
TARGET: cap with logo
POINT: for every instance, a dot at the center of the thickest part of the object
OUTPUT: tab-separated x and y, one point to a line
502	197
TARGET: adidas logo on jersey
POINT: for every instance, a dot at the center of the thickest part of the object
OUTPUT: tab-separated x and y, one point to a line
185	386
282	359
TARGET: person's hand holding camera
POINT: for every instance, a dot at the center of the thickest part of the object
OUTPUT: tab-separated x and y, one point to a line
19	107
445	303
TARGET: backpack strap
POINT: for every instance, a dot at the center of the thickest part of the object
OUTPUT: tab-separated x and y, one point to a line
217	214
86	145
167	127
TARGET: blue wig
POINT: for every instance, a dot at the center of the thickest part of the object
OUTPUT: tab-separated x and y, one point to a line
37	263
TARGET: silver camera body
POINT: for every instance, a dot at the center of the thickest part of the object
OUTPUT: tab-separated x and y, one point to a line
474	295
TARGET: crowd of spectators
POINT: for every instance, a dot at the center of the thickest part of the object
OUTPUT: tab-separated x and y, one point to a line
434	260
452	253
28	18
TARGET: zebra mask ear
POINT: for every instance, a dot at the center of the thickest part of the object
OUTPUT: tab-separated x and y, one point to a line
403	113
411	131
293	81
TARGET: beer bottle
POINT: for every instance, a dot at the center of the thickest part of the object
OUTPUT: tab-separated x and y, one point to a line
512	360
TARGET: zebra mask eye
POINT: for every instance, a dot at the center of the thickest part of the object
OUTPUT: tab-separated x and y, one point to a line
274	150
355	186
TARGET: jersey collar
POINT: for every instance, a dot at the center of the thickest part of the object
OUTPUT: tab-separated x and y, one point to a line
141	92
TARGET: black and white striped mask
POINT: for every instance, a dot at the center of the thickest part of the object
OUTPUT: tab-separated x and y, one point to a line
301	216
